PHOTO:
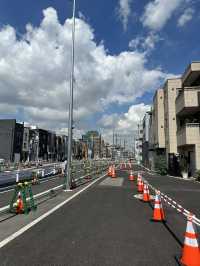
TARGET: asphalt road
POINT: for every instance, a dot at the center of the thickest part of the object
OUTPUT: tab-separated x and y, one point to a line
104	225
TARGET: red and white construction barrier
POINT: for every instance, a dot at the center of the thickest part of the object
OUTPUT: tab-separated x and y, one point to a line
172	203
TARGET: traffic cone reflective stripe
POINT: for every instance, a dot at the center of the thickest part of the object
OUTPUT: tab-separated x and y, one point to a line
140	186
131	177
146	196
191	252
158	213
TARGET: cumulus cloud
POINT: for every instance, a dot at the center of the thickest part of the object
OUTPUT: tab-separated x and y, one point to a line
35	73
126	122
158	12
145	44
186	17
124	12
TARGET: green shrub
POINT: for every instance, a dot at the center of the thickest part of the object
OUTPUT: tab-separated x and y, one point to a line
161	165
184	165
197	175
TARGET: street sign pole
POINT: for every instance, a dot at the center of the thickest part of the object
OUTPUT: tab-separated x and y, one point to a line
67	181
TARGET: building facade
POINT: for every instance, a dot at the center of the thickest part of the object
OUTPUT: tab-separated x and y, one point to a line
156	129
11	140
170	91
188	118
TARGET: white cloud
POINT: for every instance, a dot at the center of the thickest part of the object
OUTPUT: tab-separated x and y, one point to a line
146	44
158	12
125	125
186	17
124	12
35	73
126	122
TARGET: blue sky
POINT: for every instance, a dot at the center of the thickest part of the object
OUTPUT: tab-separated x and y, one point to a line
152	38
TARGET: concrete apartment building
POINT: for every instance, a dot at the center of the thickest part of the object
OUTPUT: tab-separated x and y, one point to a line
170	91
11	140
174	123
188	117
156	128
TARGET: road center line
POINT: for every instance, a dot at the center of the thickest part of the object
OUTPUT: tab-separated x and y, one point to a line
28	226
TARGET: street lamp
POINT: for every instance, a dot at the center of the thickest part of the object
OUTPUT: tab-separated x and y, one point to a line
67	181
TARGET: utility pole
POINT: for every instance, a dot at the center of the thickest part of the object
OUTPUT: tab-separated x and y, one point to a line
67	181
116	138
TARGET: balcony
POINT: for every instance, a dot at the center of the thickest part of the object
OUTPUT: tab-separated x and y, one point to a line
191	76
187	101
189	134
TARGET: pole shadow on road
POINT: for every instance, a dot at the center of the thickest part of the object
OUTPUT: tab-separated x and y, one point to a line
172	234
166	225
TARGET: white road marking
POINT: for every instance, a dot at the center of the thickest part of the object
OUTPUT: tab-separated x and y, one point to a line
28	226
6	191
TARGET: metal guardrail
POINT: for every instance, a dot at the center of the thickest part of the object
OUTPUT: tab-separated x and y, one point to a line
78	180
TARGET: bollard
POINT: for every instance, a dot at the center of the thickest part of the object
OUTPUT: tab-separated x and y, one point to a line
17	176
42	172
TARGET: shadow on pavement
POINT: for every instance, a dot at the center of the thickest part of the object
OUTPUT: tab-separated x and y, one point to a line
166	225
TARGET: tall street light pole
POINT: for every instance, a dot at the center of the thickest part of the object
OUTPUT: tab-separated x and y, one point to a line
68	181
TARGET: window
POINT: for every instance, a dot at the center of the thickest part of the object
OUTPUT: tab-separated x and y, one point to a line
172	89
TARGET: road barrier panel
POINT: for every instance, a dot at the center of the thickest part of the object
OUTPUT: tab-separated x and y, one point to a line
19	202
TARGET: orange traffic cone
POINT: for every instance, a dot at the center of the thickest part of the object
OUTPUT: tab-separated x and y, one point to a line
131	176
140	186
146	196
20	205
113	172
138	179
191	252
35	180
110	171
158	213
